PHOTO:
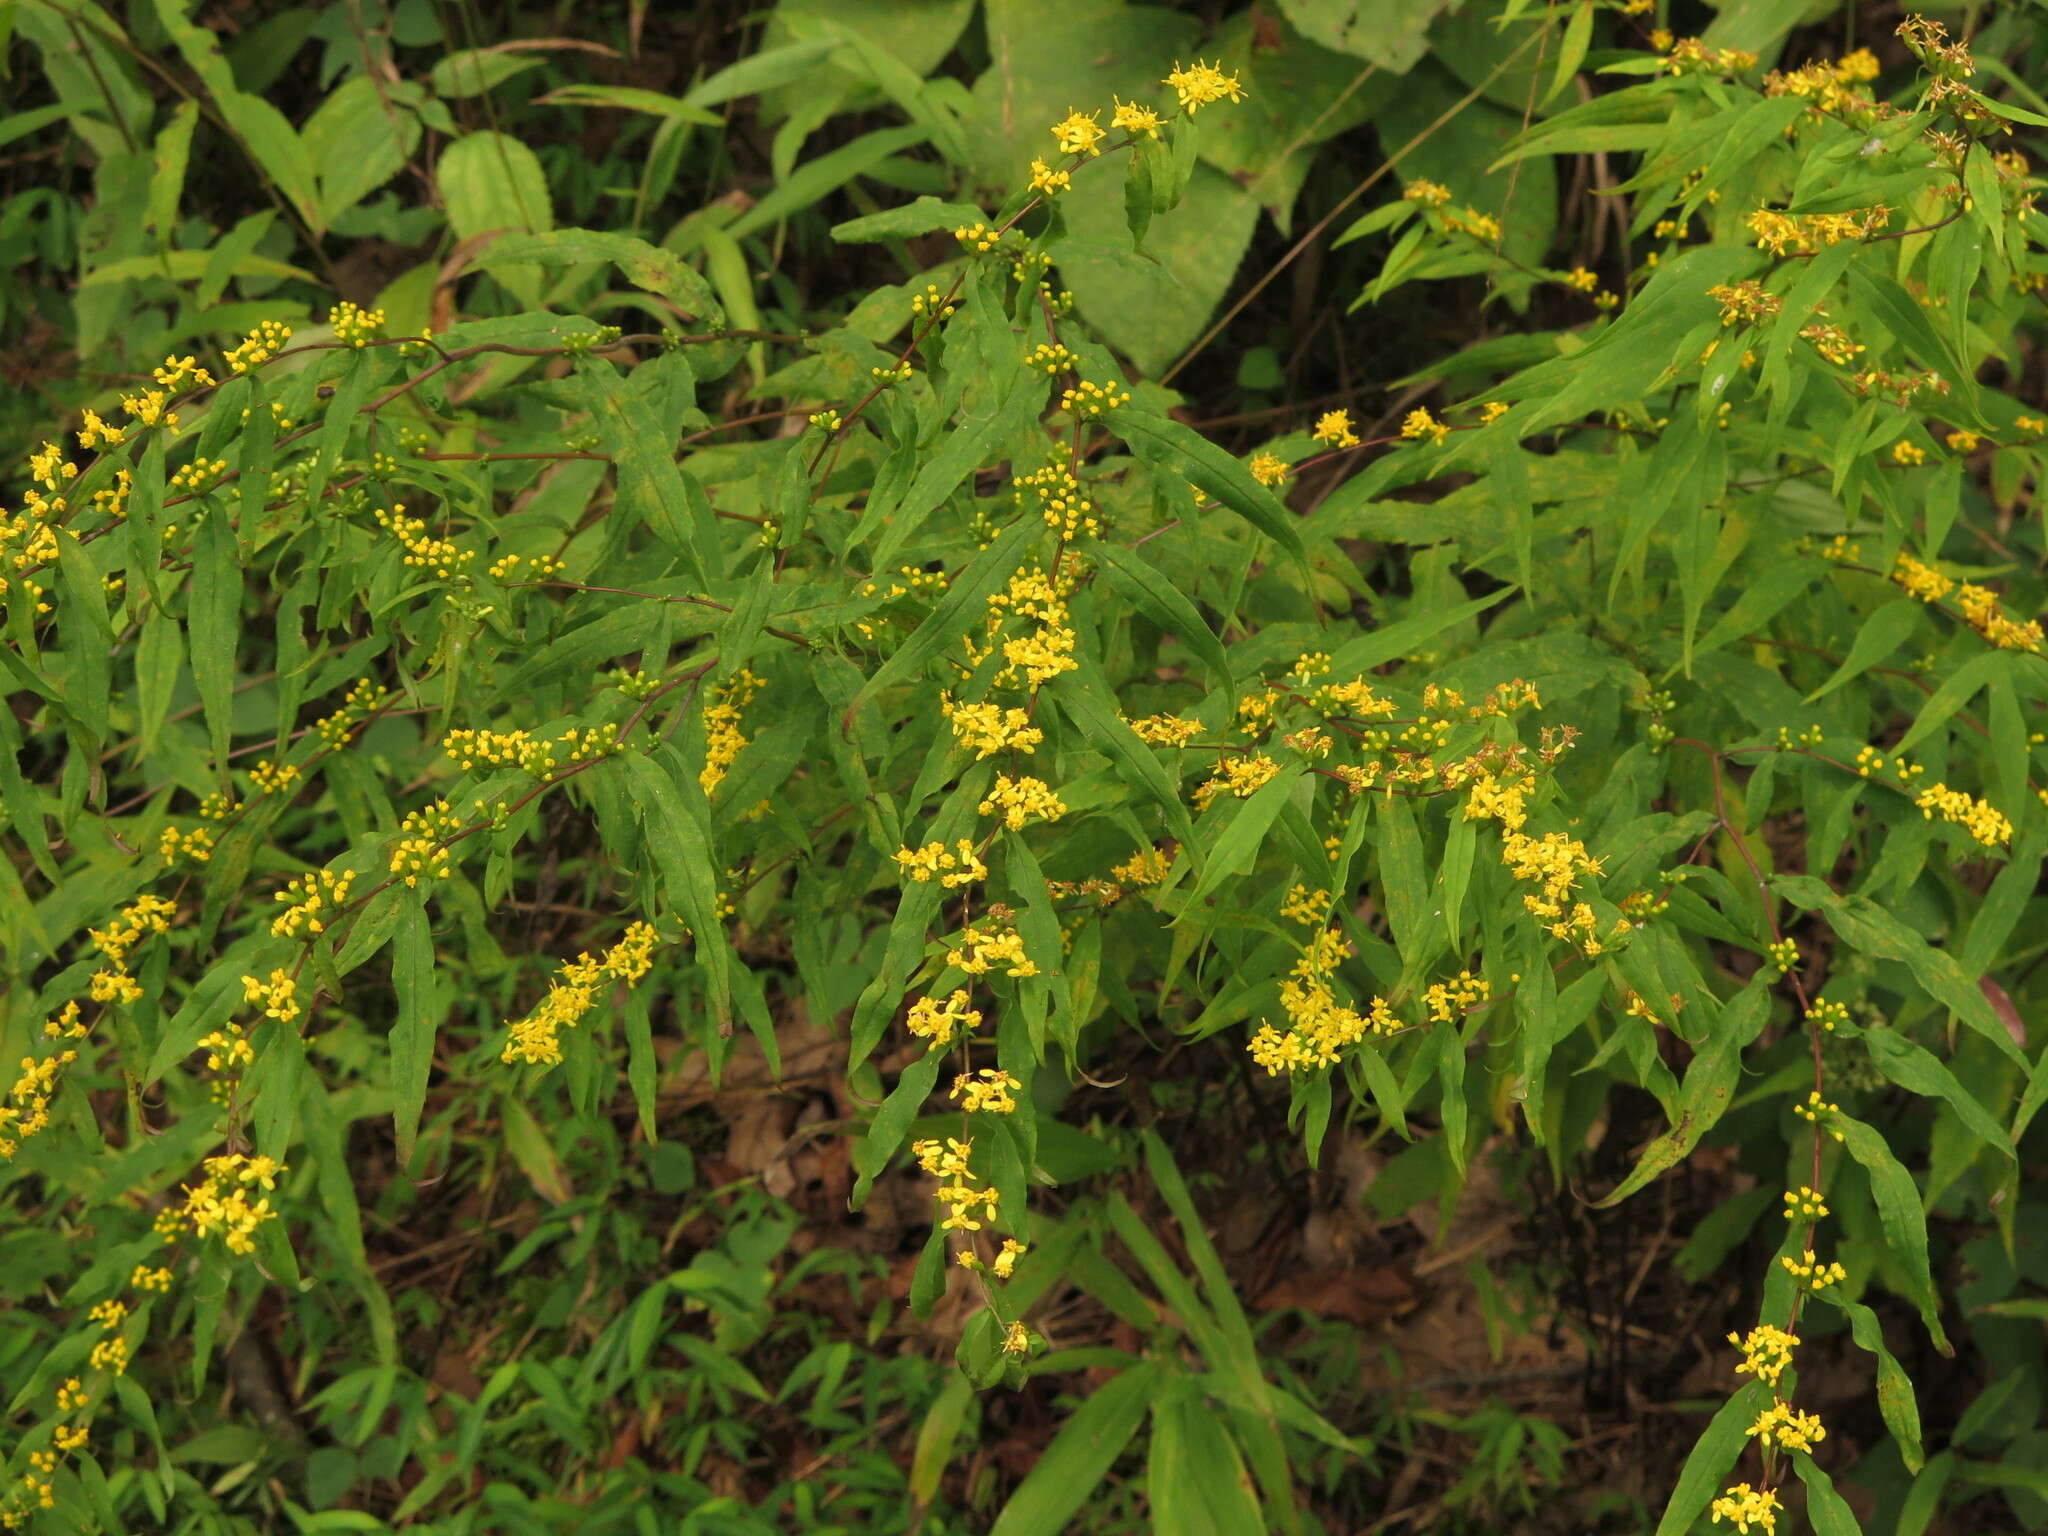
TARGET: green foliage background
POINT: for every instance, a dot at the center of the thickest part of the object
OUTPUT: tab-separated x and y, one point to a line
1755	527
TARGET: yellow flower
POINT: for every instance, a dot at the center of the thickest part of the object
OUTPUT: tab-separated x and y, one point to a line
1135	119
932	1020
988	1091
1744	1506
1199	84
1334	428
1077	134
1788	1429
1766	1352
1046	180
1419	424
1268	469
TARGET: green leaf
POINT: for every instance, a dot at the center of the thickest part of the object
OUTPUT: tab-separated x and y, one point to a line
1393	34
1827	1509
1918	1070
492	181
919	218
167	180
213	625
1871	929
1706	1091
359	138
643	265
1071	1468
906	1101
1895	1399
651	484
964	606
1147	589
533	1152
1171	450
1236	847
1085	699
1195	1476
1712	1457
1881	634
413	1031
1899	1214
679	836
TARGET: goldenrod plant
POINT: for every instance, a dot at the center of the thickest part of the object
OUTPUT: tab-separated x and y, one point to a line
447	734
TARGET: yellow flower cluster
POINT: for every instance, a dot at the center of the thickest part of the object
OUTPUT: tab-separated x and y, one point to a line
1048	181
309	896
1908	453
26	1109
1078	134
1832	343
1980	819
947	1160
1240	775
1428	193
1805	233
1813	1274
1066	510
1135	119
518	749
421	850
952	867
1307	907
1319	1028
201	474
1051	359
1804	1204
1766	1352
227	1049
1483	227
1165	730
1787	1428
277	997
1745	303
271	778
1268	469
1830	87
1690	56
440	558
1199	84
1355	698
1089	399
363	699
177	373
136	921
259	346
1005	1263
1148	866
1829	1015
987	729
938	1022
220	1202
1448	1000
536	1039
1743	1506
723	740
173	845
982	948
1334	428
1418	424
1981	612
987	1092
1020	800
354	326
